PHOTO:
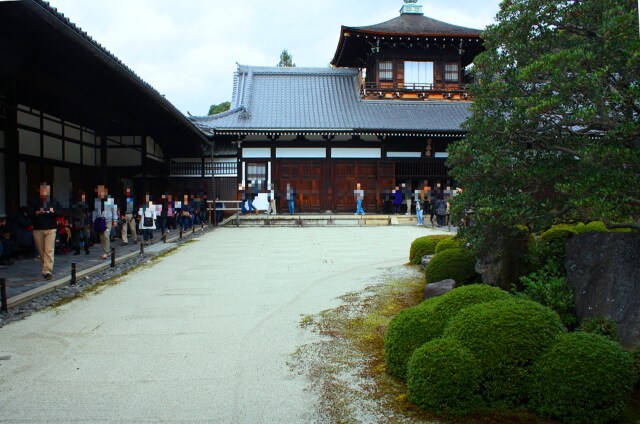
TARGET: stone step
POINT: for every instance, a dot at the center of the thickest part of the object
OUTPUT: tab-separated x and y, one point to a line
318	220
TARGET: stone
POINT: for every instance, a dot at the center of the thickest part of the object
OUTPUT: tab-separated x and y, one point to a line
438	288
604	271
424	261
503	266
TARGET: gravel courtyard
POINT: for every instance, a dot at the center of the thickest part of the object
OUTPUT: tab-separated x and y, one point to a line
204	335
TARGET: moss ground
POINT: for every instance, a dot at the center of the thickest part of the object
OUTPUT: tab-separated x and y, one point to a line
346	365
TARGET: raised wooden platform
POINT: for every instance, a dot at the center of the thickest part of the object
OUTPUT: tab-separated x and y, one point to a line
318	220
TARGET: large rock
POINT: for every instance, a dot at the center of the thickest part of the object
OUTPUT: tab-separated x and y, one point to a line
438	288
604	271
503	266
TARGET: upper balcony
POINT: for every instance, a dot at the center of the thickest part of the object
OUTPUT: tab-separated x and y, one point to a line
407	91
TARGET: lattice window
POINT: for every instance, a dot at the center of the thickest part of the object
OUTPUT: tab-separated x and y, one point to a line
451	72
385	71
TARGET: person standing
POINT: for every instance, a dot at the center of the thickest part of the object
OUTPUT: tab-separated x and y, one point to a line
219	212
441	211
104	214
397	200
148	218
162	219
291	199
129	220
359	195
272	203
419	212
44	231
80	226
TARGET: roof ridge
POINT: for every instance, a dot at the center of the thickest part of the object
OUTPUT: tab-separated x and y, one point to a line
295	70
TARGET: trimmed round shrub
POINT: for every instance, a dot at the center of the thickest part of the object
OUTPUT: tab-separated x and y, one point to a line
415	326
450	243
407	331
443	376
582	378
457	264
424	246
506	336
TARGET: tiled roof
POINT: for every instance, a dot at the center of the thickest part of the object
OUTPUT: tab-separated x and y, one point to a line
323	99
416	25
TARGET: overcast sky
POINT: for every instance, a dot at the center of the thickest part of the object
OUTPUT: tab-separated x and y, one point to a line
188	49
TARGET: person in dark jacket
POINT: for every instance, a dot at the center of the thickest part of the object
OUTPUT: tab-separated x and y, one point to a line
44	231
397	200
80	223
21	229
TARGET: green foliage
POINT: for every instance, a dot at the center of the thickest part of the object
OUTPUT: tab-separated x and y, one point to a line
554	125
548	286
539	252
600	325
286	60
557	233
424	246
407	331
443	376
582	378
219	108
506	336
457	264
450	243
635	356
415	326
591	227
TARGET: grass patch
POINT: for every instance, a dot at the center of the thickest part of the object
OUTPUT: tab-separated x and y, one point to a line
346	365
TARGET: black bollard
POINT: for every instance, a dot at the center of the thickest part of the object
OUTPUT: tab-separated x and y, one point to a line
113	257
180	233
142	248
3	293
193	229
73	274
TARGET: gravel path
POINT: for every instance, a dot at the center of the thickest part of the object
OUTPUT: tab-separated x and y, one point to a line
204	335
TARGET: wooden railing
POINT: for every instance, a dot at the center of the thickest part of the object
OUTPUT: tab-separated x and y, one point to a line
412	91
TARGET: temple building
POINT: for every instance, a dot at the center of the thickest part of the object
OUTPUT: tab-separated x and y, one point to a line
382	115
74	116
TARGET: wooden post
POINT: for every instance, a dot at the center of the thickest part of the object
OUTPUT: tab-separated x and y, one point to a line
73	274
3	293
142	248
113	257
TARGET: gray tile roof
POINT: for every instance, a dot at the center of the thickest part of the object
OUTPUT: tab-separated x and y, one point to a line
323	99
416	25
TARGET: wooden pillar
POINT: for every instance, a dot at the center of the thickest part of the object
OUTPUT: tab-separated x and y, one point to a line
143	163
103	159
11	159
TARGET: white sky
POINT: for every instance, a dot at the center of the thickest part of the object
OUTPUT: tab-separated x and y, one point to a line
188	49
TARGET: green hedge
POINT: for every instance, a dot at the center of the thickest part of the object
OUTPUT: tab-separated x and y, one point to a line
407	331
415	326
443	376
600	325
506	336
457	264
424	246
450	243
582	378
